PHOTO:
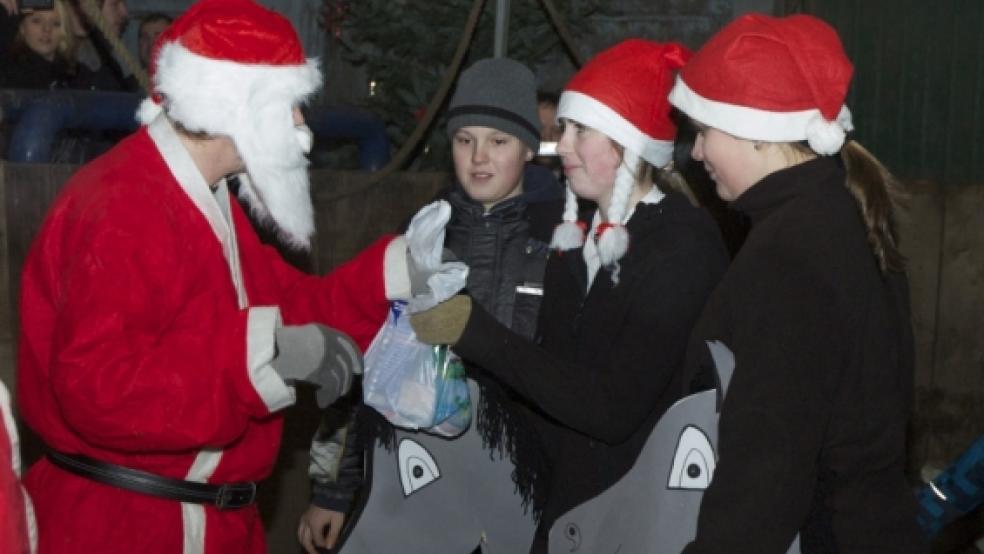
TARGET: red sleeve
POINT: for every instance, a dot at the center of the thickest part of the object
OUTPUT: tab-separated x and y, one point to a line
351	298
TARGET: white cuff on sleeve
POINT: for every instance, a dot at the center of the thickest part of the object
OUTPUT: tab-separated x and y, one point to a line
395	271
260	350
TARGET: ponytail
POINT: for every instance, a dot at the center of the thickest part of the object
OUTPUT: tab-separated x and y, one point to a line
670	180
878	194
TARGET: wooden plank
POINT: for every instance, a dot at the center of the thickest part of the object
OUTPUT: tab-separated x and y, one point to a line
30	189
959	365
921	230
351	216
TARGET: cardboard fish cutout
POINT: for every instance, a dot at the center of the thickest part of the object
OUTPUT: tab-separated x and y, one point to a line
433	494
653	508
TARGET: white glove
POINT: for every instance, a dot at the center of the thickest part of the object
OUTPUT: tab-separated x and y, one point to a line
425	235
425	242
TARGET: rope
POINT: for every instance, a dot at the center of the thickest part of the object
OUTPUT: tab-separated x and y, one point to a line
436	101
94	15
565	34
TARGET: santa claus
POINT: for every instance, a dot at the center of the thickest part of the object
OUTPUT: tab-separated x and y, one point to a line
159	338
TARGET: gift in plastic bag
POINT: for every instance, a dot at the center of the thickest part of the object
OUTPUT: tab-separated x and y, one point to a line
412	384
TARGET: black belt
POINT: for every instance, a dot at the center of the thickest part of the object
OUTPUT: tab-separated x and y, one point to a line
224	497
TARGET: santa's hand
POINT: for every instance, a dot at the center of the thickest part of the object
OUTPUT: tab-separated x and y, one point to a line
444	323
319	356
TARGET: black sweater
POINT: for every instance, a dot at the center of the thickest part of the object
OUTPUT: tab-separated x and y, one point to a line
607	362
812	433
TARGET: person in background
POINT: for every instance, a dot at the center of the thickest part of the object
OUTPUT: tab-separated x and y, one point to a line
546	111
95	52
8	25
620	299
160	340
43	53
503	210
814	308
151	25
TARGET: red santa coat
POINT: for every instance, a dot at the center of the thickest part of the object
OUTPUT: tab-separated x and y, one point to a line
147	328
16	520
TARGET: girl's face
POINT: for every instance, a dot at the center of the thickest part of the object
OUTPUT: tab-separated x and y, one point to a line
590	161
733	163
42	31
489	163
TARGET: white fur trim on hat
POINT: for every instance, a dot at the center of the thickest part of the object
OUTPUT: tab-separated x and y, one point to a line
825	137
202	93
587	111
148	111
251	104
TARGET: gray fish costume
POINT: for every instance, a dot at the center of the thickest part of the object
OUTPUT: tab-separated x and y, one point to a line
653	508
432	494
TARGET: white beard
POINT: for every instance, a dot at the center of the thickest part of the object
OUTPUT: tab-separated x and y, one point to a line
278	187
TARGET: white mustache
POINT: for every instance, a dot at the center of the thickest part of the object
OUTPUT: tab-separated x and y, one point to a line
305	138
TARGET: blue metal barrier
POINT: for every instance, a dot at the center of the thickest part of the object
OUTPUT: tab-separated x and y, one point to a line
351	123
38	116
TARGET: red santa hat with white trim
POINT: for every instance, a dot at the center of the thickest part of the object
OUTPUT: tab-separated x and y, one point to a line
236	68
771	79
622	93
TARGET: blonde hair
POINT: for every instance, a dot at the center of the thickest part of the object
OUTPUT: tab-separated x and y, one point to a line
67	45
878	195
666	179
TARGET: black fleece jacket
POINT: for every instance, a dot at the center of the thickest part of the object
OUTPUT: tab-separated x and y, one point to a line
812	434
607	362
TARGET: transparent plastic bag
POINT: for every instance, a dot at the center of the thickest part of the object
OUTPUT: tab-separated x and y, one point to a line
412	384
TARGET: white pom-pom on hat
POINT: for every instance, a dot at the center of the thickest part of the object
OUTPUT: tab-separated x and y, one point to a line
825	137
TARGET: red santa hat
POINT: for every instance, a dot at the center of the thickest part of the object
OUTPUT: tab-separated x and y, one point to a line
622	93
236	68
771	79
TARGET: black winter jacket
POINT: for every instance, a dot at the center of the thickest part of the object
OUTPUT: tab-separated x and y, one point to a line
607	362
812	433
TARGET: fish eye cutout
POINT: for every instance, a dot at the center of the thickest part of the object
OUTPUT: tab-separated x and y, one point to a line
693	461
573	534
417	467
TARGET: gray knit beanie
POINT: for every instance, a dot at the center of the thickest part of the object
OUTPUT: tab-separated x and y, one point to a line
499	93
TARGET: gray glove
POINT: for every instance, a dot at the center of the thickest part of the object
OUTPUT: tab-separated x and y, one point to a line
319	356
